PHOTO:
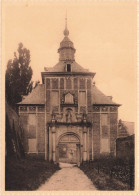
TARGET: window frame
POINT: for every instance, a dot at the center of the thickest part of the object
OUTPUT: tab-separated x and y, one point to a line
69	67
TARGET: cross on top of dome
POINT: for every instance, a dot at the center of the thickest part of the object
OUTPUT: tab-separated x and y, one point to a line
66	31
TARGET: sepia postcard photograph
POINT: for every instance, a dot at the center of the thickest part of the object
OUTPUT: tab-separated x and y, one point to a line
69	97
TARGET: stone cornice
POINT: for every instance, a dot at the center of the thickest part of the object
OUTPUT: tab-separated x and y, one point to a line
63	74
107	105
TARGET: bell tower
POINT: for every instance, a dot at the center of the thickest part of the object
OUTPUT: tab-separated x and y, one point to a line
66	50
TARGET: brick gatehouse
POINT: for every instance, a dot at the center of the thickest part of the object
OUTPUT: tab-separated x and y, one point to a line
67	118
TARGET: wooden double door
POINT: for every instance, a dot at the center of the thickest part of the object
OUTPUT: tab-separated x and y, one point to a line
69	149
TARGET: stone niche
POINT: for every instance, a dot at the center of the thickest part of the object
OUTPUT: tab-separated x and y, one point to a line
69	99
68	115
68	96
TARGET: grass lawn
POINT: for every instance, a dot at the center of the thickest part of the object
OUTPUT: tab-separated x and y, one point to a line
109	174
27	174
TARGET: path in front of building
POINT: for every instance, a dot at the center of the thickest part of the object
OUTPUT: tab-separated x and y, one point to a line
70	178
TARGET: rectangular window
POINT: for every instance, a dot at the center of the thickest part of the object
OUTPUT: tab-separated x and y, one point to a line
104	131
32	132
88	83
47	100
105	146
104	126
68	68
104	119
32	119
61	83
82	98
32	126
75	83
54	98
55	83
32	144
82	83
68	83
48	83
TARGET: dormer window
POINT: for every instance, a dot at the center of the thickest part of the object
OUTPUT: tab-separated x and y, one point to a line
68	67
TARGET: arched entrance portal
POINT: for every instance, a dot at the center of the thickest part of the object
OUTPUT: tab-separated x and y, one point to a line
69	149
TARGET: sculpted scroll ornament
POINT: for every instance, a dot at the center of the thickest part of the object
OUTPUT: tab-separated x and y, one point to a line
113	108
104	108
32	108
40	108
96	108
23	108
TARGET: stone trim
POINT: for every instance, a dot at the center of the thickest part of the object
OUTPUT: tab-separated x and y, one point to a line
31	112
80	124
103	112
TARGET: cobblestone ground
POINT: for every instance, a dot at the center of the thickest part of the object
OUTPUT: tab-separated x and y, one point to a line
68	178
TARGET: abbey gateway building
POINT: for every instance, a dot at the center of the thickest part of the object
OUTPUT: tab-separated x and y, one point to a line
66	118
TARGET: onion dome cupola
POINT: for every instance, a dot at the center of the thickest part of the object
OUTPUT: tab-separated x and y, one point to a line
66	50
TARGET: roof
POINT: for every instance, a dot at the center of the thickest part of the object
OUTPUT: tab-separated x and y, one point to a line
60	67
129	126
66	42
37	96
125	128
100	98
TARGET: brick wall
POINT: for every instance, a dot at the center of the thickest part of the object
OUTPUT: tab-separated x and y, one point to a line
48	100
113	132
90	143
33	131
125	147
106	133
96	134
41	132
24	124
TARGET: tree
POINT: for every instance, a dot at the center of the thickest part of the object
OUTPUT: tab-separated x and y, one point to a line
18	76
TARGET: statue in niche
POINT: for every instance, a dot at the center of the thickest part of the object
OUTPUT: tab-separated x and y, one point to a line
68	116
84	116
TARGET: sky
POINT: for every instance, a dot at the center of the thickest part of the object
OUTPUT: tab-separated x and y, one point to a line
103	33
